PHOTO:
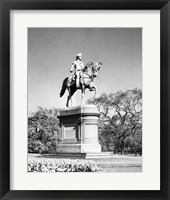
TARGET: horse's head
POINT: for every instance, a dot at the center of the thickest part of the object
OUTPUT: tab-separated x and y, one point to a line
96	68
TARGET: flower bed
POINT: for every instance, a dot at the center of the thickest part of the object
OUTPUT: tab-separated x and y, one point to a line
62	165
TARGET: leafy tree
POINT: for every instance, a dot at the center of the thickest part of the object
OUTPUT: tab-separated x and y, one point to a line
43	131
120	124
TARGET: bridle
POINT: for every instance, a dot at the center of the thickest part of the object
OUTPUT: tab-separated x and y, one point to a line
91	76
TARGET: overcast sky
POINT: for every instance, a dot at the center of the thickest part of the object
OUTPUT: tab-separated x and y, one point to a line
51	52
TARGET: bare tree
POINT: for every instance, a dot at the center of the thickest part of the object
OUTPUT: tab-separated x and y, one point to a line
120	118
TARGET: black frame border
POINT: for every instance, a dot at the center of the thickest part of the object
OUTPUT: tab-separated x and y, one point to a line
5	7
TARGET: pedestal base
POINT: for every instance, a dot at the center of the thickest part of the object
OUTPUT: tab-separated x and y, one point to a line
78	148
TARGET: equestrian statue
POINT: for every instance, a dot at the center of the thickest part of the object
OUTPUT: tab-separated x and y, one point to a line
82	78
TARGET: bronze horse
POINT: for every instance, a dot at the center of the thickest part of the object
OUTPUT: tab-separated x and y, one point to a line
89	72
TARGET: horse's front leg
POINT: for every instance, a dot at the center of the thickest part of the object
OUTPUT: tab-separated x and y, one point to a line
82	93
83	88
95	90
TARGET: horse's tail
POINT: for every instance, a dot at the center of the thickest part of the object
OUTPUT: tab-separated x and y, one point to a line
64	86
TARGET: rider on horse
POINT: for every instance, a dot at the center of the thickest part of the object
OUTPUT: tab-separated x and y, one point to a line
77	67
87	74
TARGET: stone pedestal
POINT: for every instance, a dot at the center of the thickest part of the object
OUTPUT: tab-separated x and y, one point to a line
79	128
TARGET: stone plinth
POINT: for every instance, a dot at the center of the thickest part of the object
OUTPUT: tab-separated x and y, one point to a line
79	128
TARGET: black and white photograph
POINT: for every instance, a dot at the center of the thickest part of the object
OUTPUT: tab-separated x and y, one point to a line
84	99
84	88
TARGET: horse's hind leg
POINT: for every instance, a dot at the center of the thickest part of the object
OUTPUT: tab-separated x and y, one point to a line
67	104
68	100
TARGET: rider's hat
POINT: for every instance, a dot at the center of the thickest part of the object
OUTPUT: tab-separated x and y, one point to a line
78	55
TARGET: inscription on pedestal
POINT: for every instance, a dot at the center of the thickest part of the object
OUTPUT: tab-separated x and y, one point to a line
70	134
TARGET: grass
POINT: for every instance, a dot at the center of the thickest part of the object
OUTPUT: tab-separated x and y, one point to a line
120	163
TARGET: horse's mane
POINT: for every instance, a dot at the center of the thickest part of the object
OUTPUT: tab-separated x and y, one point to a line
89	64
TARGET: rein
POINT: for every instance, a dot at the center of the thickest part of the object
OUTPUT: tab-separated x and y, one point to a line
90	76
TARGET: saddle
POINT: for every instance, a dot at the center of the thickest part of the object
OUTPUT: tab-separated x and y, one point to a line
73	78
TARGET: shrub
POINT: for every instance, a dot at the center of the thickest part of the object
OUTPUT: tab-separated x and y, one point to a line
62	165
43	131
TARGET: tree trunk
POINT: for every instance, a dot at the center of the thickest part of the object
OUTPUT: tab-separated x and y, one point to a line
121	150
122	147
